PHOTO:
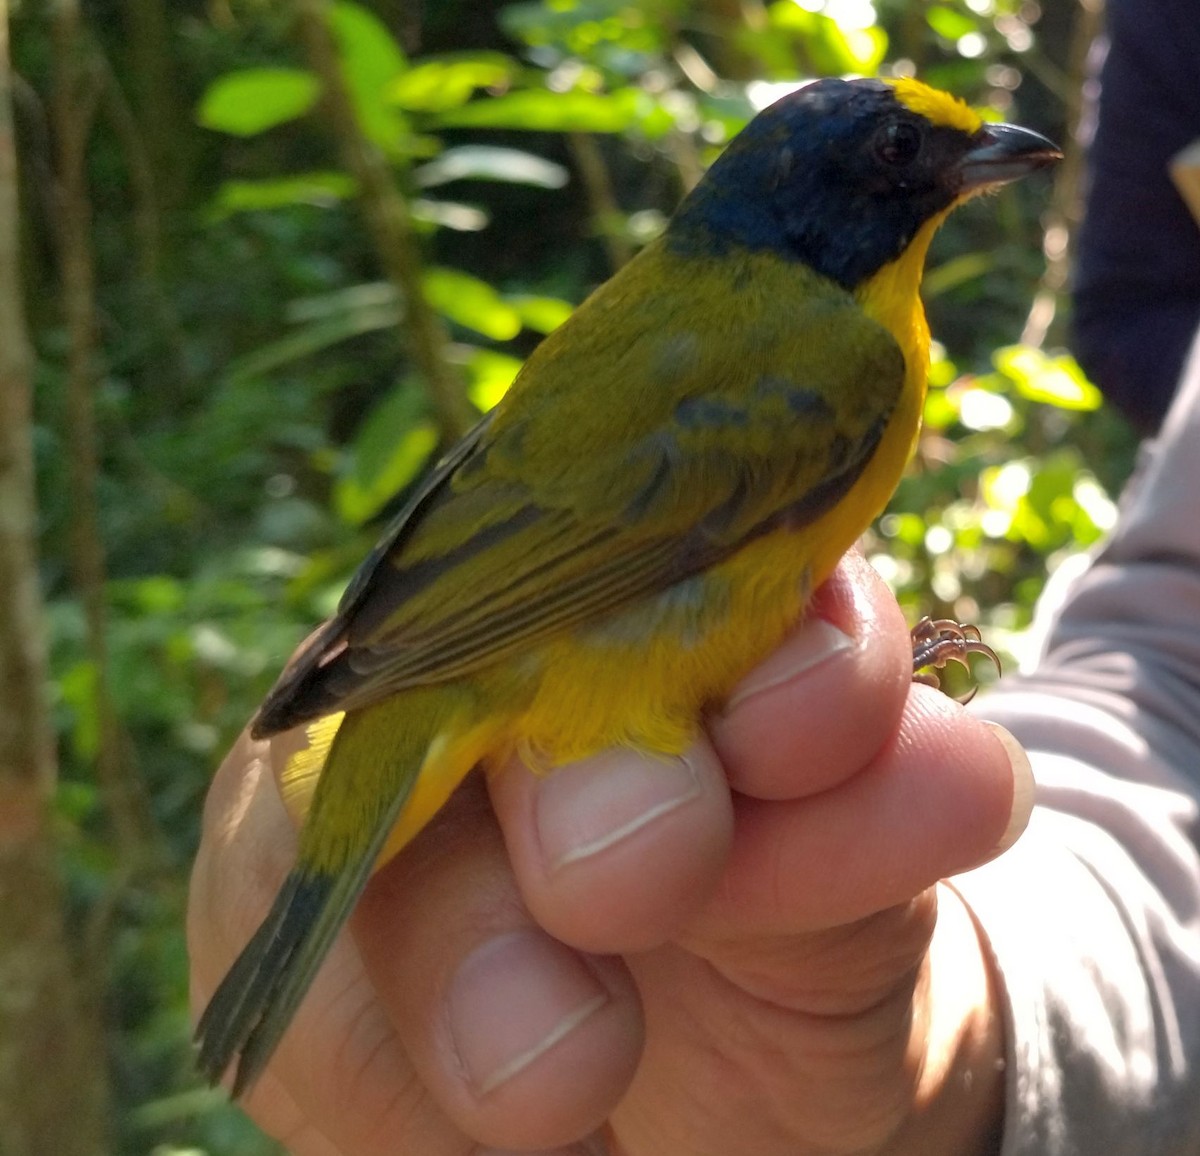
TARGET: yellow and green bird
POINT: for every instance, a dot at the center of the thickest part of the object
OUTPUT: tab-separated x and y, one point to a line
642	517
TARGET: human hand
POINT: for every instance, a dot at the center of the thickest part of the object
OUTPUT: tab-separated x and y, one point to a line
744	951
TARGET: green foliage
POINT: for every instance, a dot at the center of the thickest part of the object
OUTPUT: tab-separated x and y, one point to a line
253	100
260	415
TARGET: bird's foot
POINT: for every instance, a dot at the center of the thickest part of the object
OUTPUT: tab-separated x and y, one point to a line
937	641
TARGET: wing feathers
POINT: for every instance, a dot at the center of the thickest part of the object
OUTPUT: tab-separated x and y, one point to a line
510	543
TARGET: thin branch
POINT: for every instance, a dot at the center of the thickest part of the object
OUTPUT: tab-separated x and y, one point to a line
391	226
76	93
1066	201
606	213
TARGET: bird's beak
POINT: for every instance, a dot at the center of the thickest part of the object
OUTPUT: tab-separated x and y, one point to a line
1005	152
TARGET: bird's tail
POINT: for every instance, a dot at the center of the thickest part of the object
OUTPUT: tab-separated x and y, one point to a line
364	792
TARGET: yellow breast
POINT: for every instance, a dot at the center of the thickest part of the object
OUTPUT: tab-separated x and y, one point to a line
644	677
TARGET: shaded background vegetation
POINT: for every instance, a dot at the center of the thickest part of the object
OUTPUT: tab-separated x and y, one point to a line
275	255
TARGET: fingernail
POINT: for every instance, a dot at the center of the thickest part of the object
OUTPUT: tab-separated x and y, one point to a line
512	1000
1024	787
588	807
814	643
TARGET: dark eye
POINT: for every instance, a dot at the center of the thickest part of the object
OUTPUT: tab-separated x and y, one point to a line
898	143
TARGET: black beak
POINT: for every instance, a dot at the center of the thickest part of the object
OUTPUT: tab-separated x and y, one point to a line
1003	153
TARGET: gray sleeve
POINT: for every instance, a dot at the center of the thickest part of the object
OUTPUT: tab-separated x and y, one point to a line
1093	917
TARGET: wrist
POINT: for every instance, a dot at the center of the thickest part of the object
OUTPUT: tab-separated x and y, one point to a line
957	1042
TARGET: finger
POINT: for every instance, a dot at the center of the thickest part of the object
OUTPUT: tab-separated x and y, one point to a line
340	1072
616	852
943	795
523	1041
827	700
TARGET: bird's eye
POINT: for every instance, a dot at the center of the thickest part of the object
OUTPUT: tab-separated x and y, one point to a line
898	143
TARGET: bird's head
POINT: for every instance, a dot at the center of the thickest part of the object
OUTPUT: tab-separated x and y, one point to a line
842	174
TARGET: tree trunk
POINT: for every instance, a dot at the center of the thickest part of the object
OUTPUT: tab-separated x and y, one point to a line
53	1092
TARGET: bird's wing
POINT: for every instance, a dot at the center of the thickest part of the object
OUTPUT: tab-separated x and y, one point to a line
493	555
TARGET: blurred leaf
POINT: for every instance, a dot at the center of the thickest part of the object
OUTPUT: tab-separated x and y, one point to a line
320	189
490	374
449	215
960	270
983	409
835	49
542	314
311	339
444	82
952	23
374	446
389	450
470	302
621	37
371	61
544	111
253	100
1056	381
490	163
77	689
354	299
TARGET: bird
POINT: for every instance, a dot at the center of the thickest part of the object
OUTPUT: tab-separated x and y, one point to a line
643	516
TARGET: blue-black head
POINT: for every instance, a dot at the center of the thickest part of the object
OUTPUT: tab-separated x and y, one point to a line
842	174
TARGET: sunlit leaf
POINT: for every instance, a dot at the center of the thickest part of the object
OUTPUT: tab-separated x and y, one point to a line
1056	380
544	111
389	453
491	163
982	409
444	82
940	412
375	443
371	61
834	47
490	376
253	100
952	23
543	314
471	302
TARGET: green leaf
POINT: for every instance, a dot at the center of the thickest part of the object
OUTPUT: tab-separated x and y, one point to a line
834	47
1056	381
471	303
392	445
490	376
319	189
445	82
490	163
541	111
371	60
77	688
310	339
960	270
402	410
542	314
951	23
253	100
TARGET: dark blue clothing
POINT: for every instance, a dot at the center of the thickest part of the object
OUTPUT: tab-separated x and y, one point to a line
1137	294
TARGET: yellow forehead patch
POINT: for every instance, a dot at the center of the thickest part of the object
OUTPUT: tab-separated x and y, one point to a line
936	106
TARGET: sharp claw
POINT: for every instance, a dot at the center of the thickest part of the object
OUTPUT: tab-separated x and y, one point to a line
937	641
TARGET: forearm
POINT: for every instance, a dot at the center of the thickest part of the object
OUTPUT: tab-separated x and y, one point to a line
1093	916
